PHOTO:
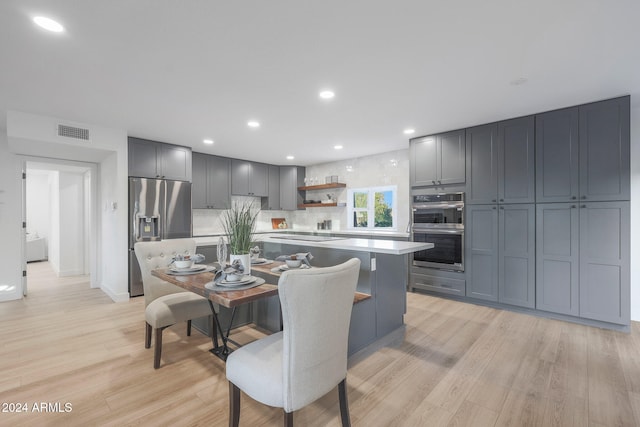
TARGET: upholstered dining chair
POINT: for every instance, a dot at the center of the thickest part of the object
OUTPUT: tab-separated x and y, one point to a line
166	304
293	368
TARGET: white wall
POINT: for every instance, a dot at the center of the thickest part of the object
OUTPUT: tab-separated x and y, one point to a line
33	135
391	168
10	222
71	219
54	235
38	203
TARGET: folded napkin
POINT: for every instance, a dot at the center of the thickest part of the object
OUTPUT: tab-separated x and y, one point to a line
304	256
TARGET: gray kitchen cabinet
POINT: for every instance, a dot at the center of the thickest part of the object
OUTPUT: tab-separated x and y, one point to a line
557	258
500	253
582	260
557	160
211	182
605	150
583	153
152	159
605	261
438	159
500	162
482	164
516	160
291	177
272	201
516	254
249	178
481	252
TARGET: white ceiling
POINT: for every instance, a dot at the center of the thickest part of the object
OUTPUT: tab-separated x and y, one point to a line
182	71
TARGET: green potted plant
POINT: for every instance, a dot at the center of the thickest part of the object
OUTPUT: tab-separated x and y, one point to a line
239	224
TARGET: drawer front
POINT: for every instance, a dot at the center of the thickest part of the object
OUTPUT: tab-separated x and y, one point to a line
437	284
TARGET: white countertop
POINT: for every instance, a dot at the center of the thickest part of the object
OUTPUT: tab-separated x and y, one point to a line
391	247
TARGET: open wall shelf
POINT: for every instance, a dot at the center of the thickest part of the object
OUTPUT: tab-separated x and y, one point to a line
322	186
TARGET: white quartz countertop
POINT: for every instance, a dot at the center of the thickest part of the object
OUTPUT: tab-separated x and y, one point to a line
392	247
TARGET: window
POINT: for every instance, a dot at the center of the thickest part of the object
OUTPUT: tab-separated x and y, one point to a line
372	208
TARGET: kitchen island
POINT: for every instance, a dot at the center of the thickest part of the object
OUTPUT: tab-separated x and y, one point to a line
384	273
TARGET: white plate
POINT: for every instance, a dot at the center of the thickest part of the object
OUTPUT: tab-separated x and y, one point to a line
246	281
193	268
285	267
261	261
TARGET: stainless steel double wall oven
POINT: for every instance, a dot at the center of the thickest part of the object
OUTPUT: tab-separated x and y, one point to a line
439	219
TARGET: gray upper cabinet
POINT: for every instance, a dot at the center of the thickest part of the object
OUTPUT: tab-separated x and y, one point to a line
557	258
272	201
516	160
211	182
151	159
605	262
438	159
451	157
291	177
557	160
482	164
481	251
516	254
423	161
249	178
604	150
583	153
500	162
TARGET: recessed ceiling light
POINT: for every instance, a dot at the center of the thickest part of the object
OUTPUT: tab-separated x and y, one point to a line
290	157
48	24
208	141
409	131
337	147
327	94
253	124
519	81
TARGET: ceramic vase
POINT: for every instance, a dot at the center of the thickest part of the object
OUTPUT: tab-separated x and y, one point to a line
245	260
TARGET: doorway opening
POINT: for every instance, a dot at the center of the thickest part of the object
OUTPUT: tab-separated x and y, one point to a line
58	213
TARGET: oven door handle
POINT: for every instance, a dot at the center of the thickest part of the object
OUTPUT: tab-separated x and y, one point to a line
437	231
431	206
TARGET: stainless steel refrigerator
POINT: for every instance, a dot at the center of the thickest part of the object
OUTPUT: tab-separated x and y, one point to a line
158	209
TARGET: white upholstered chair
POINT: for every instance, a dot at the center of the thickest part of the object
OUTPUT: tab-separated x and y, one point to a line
295	367
166	304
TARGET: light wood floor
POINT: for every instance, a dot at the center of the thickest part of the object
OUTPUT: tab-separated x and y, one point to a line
459	365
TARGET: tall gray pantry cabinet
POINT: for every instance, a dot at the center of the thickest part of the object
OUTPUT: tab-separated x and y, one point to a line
582	235
547	217
500	215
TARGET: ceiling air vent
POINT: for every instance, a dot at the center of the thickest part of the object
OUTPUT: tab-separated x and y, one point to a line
73	132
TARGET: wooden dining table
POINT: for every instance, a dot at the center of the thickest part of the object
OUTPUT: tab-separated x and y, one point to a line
231	298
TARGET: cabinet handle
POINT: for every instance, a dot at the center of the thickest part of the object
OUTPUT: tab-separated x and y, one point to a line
573	206
501	207
493	208
583	206
434	183
583	197
439	182
502	200
573	198
493	200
